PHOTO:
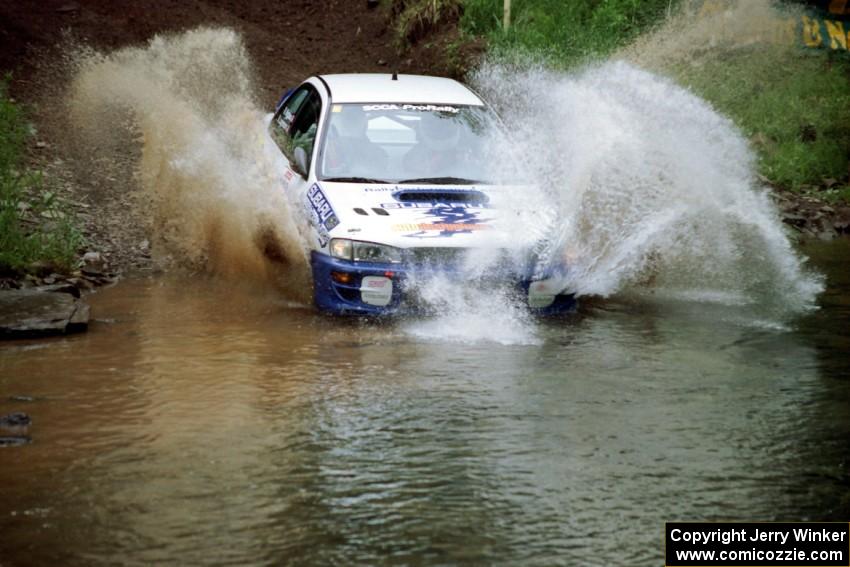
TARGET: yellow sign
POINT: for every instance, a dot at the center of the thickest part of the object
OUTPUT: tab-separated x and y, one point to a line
826	28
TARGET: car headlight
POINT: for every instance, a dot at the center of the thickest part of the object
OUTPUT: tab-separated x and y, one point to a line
358	251
340	248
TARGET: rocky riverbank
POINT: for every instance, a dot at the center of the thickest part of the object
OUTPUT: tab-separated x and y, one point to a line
45	303
26	313
810	217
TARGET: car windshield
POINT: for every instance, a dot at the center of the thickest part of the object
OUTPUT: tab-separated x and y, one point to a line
406	143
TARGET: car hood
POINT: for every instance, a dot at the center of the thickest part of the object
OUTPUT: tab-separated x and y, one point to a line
408	216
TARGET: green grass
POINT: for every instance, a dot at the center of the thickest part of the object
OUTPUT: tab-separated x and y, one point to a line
793	104
35	234
563	33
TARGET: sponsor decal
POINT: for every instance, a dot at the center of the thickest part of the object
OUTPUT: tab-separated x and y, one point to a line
442	227
445	220
413	107
430	189
321	206
821	24
430	205
440	194
284	119
376	290
541	294
322	215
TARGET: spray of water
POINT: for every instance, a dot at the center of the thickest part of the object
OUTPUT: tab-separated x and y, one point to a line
647	186
188	101
641	188
639	183
467	314
700	30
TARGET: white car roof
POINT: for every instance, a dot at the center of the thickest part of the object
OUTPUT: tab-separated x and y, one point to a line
418	89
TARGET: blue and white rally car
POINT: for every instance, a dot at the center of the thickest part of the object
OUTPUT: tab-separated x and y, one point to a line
391	174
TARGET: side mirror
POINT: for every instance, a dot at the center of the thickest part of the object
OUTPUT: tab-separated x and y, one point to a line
300	155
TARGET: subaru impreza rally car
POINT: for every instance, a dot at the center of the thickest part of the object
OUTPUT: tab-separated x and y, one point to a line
390	173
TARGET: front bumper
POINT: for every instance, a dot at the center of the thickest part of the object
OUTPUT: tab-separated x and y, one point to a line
347	297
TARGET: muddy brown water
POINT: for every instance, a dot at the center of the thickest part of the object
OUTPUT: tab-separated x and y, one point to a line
200	425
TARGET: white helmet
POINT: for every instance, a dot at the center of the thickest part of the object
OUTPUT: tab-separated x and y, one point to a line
351	122
438	132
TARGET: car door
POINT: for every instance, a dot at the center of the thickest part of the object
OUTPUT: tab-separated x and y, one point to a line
294	129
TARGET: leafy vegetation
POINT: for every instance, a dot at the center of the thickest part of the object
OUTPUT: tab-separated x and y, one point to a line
34	232
565	33
414	18
793	103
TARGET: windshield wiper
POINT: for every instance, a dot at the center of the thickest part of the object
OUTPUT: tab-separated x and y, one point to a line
354	180
443	181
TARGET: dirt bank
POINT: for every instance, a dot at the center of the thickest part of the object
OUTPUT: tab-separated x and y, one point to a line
286	41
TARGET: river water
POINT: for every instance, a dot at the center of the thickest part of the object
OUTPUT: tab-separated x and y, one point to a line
198	424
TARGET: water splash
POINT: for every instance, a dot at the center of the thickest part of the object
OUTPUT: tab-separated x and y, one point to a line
646	186
641	186
639	183
701	30
470	315
188	100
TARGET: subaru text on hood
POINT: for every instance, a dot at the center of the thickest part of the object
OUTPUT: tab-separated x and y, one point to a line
390	177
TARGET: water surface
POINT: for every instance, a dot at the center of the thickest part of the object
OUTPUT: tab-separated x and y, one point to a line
201	424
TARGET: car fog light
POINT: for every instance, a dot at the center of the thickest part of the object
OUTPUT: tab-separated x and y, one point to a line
341	277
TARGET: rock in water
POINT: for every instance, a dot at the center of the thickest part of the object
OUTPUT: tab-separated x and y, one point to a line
29	313
14	440
17	419
21	399
66	287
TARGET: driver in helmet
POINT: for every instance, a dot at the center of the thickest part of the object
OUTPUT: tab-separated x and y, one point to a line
438	150
349	149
